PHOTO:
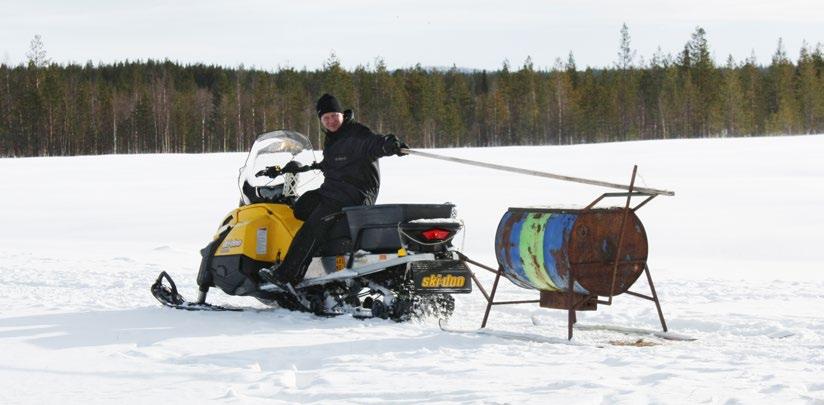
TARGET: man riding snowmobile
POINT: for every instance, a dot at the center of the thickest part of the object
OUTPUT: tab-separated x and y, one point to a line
351	178
331	251
390	261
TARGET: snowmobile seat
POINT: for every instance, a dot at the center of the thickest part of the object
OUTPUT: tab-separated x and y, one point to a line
375	228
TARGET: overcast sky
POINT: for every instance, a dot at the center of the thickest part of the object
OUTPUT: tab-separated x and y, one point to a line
467	33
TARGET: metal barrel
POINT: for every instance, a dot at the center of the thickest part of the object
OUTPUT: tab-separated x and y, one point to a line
540	248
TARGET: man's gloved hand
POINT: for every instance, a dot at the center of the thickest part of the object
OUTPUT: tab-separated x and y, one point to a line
393	146
294	167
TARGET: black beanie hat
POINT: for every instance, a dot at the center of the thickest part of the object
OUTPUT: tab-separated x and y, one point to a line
328	103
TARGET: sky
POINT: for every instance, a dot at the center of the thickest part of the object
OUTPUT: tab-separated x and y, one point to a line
472	34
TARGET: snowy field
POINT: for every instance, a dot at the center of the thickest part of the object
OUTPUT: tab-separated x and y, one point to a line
736	257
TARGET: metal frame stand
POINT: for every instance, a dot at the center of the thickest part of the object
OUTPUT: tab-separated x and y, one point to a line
570	303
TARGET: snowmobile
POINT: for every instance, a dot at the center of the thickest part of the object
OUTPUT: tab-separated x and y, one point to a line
391	261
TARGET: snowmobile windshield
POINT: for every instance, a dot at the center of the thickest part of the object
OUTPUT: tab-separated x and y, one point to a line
269	149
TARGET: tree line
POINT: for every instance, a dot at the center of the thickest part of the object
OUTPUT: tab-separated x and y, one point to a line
50	109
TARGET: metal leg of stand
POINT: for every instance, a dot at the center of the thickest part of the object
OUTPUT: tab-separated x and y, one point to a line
655	298
491	296
571	318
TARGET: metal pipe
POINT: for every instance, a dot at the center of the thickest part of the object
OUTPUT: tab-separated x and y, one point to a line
537	173
516	302
621	234
655	299
635	294
463	257
491	299
480	287
570	298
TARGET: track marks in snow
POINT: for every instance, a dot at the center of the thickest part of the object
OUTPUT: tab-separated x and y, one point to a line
99	308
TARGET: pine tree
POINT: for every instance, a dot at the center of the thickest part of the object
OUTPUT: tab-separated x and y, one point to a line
705	83
498	108
5	104
525	103
818	62
752	115
627	91
399	112
338	82
653	87
592	126
784	111
482	108
562	95
732	99
809	91
460	106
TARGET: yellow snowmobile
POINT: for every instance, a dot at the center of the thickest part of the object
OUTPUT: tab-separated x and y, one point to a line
388	261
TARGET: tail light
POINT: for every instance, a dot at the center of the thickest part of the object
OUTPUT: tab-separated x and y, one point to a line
435	234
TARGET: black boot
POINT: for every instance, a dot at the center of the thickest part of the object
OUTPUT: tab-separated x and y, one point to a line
289	298
270	274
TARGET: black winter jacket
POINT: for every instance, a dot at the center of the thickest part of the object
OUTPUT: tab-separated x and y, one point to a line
350	163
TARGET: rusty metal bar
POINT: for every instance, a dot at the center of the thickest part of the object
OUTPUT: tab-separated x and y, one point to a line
468	260
621	235
635	294
655	299
571	318
516	302
492	296
624	194
480	287
597	200
643	203
605	195
536	173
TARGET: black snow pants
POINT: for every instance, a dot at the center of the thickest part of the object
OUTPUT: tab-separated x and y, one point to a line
316	212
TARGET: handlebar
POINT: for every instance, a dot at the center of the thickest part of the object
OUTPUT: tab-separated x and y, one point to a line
270	171
292	167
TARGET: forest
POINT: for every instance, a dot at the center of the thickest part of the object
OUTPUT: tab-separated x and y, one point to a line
52	109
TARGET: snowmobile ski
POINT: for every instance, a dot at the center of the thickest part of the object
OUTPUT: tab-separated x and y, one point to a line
168	296
627	331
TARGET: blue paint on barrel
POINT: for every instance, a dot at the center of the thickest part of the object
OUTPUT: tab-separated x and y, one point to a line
556	258
534	270
507	242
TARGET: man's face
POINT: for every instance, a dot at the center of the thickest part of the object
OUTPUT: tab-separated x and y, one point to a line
331	121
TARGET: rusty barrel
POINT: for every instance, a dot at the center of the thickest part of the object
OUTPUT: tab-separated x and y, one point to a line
540	248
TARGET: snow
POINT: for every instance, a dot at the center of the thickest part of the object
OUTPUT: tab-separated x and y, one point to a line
735	256
435	221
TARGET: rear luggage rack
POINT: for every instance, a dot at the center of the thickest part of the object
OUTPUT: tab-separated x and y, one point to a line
375	228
